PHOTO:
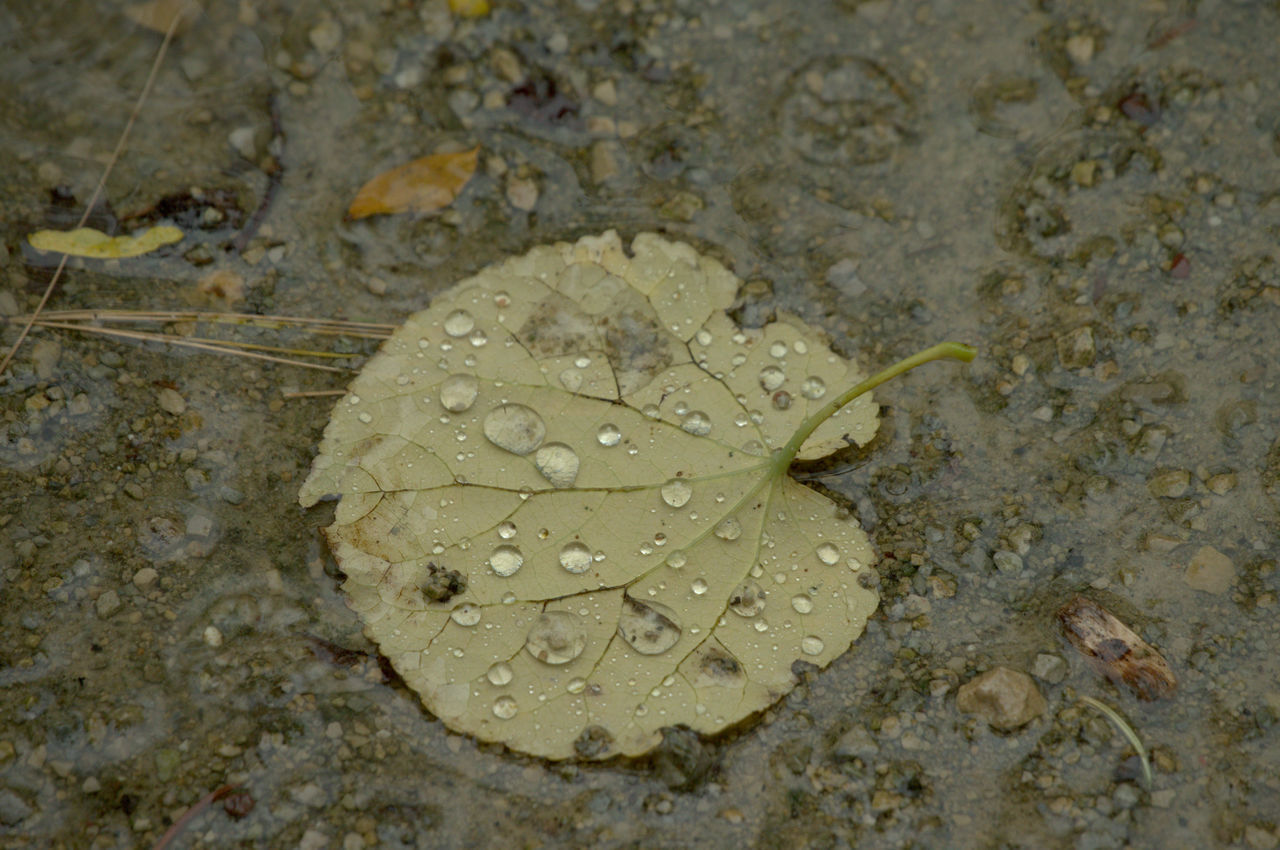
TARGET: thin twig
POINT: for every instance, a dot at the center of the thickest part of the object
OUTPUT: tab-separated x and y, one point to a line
200	805
102	182
363	330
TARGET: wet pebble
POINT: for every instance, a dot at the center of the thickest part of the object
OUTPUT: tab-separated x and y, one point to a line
1077	348
1209	571
107	604
13	809
1171	484
171	401
1049	667
1004	698
144	578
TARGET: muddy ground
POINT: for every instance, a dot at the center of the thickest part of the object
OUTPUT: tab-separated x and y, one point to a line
1087	192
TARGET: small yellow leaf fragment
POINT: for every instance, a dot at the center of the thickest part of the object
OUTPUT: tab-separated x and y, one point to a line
423	185
87	242
469	8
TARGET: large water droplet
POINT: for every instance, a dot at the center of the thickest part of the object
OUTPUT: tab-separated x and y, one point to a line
802	602
782	400
465	614
514	427
506	529
828	554
459	323
698	587
747	600
729	529
458	392
505	560
771	377
677	492
557	637
608	434
478	338
778	349
677	559
500	674
650	627
575	557
697	423
811	645
813	387
558	464
505	708
576	685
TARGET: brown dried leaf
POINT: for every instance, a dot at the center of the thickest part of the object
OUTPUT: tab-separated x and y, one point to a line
1115	650
424	185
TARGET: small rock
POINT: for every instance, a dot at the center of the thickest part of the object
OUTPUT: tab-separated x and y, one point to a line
1004	698
1169	484
604	161
1049	667
107	604
1077	349
1259	837
13	809
144	578
1007	562
313	839
606	92
241	140
1080	48
171	402
1222	483
44	356
522	193
844	277
857	743
1209	571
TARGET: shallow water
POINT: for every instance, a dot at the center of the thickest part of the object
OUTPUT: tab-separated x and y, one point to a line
1085	194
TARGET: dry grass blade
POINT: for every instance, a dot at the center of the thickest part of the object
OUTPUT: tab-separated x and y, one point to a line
89	321
1125	729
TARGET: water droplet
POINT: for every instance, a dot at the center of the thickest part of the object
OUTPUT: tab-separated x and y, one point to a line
771	377
571	380
680	408
505	708
677	492
506	529
697	423
729	529
778	349
557	637
459	323
703	336
677	559
576	685
608	434
802	603
365	417
558	464
782	400
811	645
800	346
582	362
652	411
747	600
505	560
465	614
501	299
514	427
508	598
477	338
698	587
828	554
813	387
575	557
500	673
650	627
753	447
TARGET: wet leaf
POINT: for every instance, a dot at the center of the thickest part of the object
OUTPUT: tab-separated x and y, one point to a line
599	454
424	185
87	242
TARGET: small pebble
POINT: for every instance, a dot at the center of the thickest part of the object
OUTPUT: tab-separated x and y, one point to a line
144	578
1170	484
1209	571
171	401
1004	698
107	604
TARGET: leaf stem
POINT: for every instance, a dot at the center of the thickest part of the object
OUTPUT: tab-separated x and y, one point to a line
941	351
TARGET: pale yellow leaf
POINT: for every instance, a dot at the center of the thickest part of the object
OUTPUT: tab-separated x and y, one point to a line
87	242
564	511
424	185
